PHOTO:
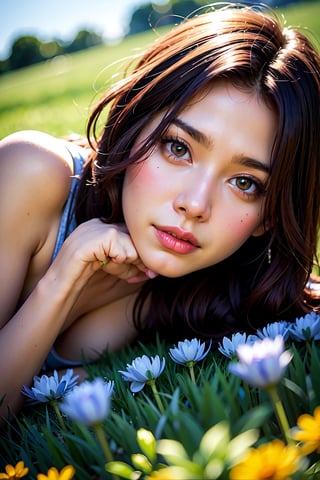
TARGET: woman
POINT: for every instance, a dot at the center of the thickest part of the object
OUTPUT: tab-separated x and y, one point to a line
197	210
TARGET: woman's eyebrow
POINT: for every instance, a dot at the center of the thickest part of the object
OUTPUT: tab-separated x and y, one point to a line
194	133
203	139
253	163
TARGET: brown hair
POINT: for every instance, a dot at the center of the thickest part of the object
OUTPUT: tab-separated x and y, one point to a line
251	49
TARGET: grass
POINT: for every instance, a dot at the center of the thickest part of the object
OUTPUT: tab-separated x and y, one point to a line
214	397
56	96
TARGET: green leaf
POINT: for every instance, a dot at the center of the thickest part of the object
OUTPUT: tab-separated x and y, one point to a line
55	447
254	418
314	374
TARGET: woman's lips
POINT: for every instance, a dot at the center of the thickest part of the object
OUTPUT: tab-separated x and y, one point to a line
176	239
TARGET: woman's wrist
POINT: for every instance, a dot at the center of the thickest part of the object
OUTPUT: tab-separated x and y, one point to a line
59	287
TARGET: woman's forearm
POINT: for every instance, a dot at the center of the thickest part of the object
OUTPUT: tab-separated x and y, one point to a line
27	337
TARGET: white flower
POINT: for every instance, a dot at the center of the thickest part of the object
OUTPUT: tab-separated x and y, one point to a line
306	328
262	364
88	403
45	389
143	370
189	352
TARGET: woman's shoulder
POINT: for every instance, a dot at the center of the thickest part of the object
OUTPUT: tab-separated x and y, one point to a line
30	147
38	162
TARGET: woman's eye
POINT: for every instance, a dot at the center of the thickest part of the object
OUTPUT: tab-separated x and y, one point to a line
247	186
178	149
175	148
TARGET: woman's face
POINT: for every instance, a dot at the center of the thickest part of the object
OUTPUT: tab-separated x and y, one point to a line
200	194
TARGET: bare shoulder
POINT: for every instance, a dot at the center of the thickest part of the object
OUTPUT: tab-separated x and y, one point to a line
35	152
35	178
36	165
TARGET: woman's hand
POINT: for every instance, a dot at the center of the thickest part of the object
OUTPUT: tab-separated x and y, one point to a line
95	245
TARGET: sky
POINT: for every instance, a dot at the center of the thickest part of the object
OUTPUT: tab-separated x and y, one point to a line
62	19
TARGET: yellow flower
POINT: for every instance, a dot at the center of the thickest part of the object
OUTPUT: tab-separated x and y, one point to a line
309	433
53	474
270	461
18	471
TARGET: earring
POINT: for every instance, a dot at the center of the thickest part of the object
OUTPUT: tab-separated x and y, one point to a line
269	255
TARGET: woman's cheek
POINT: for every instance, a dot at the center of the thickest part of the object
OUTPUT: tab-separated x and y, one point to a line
147	179
243	226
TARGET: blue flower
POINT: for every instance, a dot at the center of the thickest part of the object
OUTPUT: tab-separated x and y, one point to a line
229	347
89	402
306	328
189	352
46	389
143	370
263	363
272	330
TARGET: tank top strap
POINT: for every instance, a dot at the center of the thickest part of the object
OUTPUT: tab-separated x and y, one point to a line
68	220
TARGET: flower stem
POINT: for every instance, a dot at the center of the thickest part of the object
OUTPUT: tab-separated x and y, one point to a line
280	413
103	442
191	371
156	396
98	430
308	346
56	408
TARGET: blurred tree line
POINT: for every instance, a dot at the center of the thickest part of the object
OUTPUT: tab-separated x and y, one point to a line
28	50
161	12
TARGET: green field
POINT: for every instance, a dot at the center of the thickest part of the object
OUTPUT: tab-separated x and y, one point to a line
57	95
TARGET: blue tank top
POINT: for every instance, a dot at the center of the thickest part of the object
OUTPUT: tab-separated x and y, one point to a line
67	225
68	220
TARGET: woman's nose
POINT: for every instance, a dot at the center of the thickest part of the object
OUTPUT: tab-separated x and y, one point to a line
195	200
